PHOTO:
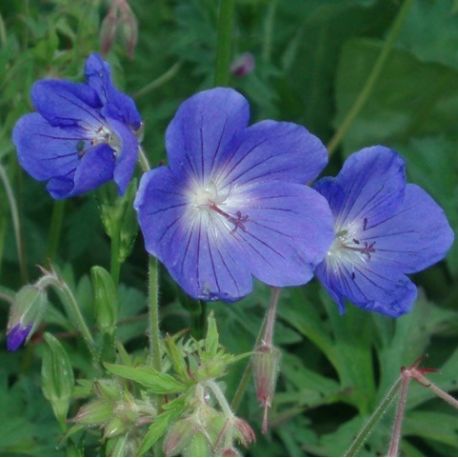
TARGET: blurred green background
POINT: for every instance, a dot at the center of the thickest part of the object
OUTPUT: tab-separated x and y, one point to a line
314	58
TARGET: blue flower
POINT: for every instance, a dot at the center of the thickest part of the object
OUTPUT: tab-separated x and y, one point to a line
232	203
17	336
25	315
81	136
384	229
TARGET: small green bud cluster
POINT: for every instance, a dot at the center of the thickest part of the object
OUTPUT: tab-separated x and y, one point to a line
114	410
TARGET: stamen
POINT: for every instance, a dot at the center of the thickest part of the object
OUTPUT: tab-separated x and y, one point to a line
364	224
238	220
366	250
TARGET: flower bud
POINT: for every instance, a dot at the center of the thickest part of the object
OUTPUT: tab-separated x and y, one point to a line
25	315
108	31
105	299
199	446
231	452
129	28
97	412
179	436
266	364
245	433
243	65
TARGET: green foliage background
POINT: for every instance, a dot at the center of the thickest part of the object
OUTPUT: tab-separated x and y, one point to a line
313	58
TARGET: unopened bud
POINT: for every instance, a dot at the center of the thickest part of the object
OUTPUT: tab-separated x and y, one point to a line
108	31
243	65
25	315
97	412
129	28
120	18
179	437
232	451
198	446
114	427
245	433
266	364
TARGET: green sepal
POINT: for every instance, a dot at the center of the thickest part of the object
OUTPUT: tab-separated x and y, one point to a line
105	299
57	377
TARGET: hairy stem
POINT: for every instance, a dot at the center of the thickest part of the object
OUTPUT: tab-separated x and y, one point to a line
55	229
159	81
368	427
16	223
144	163
372	78
435	389
115	268
393	449
153	302
72	308
223	50
268	30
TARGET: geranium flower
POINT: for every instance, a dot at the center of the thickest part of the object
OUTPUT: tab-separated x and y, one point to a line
232	203
81	136
384	229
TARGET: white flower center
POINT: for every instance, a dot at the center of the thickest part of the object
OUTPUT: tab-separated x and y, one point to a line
348	248
216	205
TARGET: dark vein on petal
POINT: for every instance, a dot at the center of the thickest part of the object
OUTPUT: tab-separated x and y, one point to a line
228	270
169	227
213	264
81	108
215	154
170	207
262	242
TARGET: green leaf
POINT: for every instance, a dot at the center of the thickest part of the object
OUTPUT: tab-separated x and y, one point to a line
410	98
438	426
57	377
430	31
148	377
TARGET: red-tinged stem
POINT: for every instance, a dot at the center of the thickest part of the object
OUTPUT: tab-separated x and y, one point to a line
393	449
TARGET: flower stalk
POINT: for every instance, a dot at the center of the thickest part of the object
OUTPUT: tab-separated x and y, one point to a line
371	80
16	223
369	426
153	299
55	229
224	42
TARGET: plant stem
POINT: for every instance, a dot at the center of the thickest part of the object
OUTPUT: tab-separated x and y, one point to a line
144	163
222	401
73	310
393	449
16	223
153	302
372	78
435	389
159	81
374	419
223	50
268	30
267	323
115	260
268	336
55	229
